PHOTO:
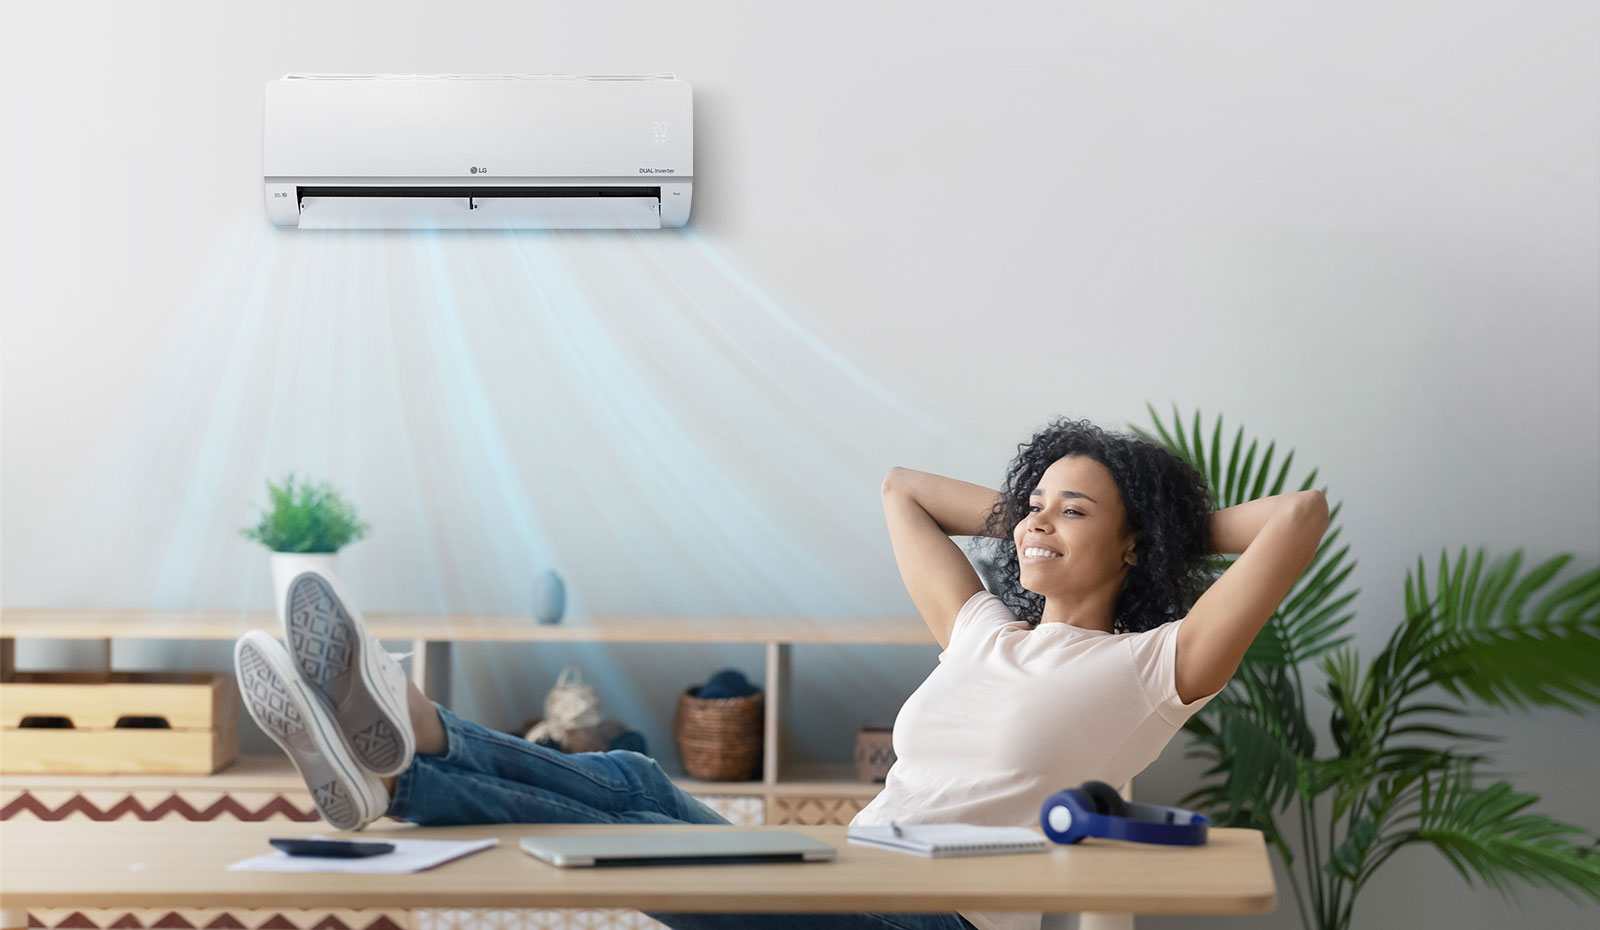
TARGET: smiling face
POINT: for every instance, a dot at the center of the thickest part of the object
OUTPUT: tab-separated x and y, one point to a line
1076	511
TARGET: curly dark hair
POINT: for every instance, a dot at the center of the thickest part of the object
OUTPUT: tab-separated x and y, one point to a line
1165	499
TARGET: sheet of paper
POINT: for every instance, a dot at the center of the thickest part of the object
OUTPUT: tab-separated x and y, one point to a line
408	856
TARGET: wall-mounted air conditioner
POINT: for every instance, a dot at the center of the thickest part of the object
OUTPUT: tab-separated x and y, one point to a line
478	151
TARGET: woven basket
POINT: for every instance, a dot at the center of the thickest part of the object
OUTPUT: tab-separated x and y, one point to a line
719	738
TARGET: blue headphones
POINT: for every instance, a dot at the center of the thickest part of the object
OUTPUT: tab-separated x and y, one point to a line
1094	808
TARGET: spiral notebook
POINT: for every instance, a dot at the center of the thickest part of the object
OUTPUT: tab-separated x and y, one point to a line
941	840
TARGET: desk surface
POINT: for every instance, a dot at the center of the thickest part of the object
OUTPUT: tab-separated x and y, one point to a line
182	864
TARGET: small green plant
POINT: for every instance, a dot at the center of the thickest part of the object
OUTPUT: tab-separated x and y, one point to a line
306	518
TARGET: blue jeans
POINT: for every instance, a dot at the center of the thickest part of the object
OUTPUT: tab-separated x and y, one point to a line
488	777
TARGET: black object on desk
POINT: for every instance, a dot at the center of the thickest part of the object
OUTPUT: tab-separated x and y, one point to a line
331	849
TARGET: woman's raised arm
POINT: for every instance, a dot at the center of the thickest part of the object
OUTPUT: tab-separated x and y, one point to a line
923	511
959	507
1234	528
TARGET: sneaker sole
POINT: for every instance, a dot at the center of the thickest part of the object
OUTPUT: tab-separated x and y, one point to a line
279	705
330	649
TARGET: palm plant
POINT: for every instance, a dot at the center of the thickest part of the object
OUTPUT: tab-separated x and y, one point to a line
1403	773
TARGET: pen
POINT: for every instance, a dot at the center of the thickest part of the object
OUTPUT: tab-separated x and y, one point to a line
895	827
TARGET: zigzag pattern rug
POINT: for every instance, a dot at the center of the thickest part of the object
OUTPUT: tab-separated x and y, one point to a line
155	805
325	919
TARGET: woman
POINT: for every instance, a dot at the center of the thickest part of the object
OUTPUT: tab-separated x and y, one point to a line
1085	661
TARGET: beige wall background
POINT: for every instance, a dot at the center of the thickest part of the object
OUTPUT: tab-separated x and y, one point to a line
1367	231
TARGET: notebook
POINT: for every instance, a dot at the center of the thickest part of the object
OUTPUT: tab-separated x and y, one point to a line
940	840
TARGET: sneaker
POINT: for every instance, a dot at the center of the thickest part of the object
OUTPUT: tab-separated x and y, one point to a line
363	685
284	706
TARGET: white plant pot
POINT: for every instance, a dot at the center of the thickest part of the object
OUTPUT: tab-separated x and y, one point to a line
286	565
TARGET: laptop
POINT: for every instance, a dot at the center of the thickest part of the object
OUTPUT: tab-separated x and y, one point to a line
650	847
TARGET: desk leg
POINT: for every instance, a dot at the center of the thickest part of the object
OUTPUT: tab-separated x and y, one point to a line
430	669
1089	921
8	660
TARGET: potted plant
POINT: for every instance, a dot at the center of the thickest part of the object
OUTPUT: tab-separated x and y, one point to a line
1402	773
305	528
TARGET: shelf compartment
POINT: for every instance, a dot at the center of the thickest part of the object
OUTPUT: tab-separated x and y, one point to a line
122	722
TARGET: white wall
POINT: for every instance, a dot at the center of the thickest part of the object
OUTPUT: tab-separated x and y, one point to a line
1367	231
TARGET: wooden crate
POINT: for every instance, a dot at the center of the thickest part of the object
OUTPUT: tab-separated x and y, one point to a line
199	710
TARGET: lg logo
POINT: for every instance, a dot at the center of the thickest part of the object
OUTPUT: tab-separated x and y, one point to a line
475	169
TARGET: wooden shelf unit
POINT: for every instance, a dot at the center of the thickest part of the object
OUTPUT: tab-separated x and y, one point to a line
431	637
276	773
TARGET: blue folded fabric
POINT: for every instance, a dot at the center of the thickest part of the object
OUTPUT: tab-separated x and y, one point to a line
632	740
728	683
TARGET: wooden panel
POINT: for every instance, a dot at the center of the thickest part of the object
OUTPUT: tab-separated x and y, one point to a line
117	750
95	700
277	773
200	804
201	710
286	918
80	623
75	864
827	780
273	773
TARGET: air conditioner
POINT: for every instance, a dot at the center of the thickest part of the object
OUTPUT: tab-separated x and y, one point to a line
478	151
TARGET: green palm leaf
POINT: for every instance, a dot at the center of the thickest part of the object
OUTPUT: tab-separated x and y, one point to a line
1404	772
1482	831
1212	745
1480	645
1310	622
1260	738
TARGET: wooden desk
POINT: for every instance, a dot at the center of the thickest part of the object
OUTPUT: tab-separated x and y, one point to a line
183	864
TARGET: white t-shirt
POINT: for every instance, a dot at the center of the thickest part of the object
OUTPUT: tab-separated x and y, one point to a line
1012	715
